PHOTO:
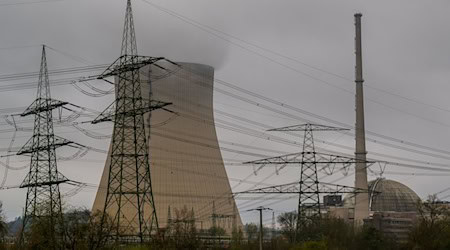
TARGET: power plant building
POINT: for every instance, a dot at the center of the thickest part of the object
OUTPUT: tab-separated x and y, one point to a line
393	208
187	170
388	196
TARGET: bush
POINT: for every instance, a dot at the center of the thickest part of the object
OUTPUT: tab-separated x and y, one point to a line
3	227
311	245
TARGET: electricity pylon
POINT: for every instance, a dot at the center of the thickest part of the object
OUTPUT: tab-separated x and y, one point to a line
129	196
309	186
42	181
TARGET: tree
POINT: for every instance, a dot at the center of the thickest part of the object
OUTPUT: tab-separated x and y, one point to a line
184	230
252	231
236	238
372	239
98	232
217	231
76	223
42	235
79	230
432	229
3	226
288	222
42	231
311	245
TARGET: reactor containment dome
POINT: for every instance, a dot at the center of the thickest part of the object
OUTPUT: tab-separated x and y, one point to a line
388	196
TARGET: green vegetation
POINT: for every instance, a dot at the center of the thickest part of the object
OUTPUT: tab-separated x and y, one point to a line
82	230
432	230
332	233
3	228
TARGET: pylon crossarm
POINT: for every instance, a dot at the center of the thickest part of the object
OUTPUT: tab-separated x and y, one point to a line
313	127
296	158
289	188
330	188
110	113
49	180
31	147
127	63
130	63
294	188
43	105
323	158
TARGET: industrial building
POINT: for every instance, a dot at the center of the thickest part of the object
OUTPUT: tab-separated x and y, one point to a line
388	196
393	207
186	164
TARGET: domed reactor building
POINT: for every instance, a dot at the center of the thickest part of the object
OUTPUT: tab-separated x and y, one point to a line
187	170
388	196
393	207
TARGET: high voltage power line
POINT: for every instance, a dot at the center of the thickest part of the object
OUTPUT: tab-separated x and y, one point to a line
230	143
388	138
230	39
55	72
28	3
272	174
422	162
234	86
227	84
272	138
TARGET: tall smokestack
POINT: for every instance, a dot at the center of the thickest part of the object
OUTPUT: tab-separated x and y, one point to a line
361	199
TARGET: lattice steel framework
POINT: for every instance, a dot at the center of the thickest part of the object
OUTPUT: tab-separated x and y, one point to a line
295	188
42	181
129	196
309	186
219	220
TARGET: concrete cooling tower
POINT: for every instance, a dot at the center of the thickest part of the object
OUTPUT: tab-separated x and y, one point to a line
187	169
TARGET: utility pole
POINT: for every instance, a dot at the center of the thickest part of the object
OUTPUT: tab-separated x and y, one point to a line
43	199
260	229
234	224
260	209
361	199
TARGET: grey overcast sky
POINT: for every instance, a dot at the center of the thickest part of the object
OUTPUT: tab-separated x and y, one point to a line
406	53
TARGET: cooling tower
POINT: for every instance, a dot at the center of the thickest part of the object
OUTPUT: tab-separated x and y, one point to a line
186	164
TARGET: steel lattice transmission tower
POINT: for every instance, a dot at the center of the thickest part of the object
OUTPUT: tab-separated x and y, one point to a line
309	199
129	196
43	179
309	188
